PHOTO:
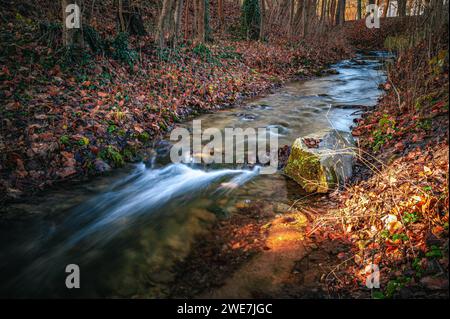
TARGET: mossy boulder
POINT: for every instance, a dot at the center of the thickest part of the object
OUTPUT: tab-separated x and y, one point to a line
324	166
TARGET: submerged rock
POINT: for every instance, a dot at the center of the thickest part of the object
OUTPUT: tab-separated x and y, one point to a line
322	167
101	166
330	71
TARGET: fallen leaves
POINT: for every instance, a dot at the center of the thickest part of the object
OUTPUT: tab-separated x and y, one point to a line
111	104
397	216
399	213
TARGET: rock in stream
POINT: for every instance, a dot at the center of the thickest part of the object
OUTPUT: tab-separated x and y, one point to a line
321	161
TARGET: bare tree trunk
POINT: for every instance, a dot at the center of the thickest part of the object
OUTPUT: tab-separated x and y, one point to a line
298	13
170	20
291	18
323	11
195	22
220	14
262	6
186	19
386	8
332	12
201	32
177	17
122	26
305	18
401	8
130	19
359	10
162	22
328	9
340	13
313	11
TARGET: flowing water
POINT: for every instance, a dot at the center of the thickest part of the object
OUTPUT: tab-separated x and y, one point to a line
126	231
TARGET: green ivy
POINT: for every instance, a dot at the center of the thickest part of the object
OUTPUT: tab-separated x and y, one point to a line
112	155
381	135
121	50
65	140
251	19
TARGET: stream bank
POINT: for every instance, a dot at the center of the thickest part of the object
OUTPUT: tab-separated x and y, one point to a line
395	213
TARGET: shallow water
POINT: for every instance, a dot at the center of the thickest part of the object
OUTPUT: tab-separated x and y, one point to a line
127	230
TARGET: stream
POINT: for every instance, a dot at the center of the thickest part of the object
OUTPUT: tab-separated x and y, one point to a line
128	229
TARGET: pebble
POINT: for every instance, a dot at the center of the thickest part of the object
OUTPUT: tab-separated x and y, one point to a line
101	166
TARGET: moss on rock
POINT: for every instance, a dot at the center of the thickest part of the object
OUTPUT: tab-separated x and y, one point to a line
320	169
305	168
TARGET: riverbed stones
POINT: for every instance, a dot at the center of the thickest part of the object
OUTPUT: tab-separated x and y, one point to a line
324	166
101	166
330	71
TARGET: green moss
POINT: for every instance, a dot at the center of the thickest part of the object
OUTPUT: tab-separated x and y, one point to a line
423	101
83	141
203	52
112	155
396	285
65	140
130	153
122	133
437	63
305	169
121	50
381	135
434	252
144	137
229	53
424	124
111	128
